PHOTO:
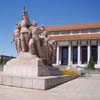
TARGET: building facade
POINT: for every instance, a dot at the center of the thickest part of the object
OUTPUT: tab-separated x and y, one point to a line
76	43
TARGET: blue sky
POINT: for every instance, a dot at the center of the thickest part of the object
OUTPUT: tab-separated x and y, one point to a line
45	12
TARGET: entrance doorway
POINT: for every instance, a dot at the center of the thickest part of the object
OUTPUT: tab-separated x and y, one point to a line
75	54
64	56
94	53
84	54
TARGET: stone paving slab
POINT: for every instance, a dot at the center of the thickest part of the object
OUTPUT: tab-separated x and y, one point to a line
83	88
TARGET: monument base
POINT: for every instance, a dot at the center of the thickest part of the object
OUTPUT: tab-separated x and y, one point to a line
28	65
42	83
28	71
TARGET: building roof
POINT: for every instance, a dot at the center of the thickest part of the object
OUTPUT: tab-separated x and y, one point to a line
75	37
73	27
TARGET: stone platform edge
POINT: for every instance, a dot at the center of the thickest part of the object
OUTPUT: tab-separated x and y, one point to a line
42	83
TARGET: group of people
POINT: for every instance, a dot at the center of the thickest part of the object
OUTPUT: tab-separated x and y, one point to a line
29	37
34	39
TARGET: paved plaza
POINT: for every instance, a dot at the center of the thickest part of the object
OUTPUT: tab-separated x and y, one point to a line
84	88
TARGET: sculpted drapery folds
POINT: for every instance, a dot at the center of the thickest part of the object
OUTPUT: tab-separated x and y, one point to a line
29	37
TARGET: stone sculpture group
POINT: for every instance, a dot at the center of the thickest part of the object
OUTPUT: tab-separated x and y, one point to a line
33	67
29	37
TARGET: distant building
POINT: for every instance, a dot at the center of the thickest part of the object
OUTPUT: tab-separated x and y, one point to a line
76	43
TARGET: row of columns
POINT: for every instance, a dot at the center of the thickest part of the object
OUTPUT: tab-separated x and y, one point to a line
58	54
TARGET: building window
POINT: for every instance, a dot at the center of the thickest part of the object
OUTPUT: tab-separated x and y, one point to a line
75	32
94	30
84	54
66	32
75	54
64	56
84	31
94	53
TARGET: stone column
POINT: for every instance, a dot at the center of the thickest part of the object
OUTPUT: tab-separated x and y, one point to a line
98	52
88	53
79	56
69	55
58	56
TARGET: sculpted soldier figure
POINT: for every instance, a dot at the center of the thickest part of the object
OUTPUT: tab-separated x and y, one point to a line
34	41
16	39
25	37
22	34
25	34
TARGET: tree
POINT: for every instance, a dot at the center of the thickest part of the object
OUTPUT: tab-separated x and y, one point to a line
91	64
2	61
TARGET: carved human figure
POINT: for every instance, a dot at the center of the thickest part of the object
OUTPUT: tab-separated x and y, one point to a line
33	42
25	37
16	39
44	48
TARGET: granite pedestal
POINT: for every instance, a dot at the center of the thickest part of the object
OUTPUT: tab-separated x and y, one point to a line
28	71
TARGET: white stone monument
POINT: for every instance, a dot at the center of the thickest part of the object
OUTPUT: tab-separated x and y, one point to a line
35	51
32	68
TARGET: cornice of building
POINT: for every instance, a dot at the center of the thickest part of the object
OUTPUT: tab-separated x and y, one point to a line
73	27
75	37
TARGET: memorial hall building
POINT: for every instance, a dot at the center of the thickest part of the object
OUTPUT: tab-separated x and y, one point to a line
76	43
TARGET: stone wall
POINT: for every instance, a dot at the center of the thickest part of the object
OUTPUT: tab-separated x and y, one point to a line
42	83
